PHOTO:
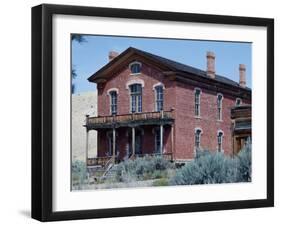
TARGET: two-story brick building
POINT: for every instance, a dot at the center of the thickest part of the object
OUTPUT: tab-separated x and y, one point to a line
149	104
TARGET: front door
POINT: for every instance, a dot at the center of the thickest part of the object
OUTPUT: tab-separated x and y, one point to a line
138	142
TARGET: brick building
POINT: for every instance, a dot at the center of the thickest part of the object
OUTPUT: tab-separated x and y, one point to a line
148	104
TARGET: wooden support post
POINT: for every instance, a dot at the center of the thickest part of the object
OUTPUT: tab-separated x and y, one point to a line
172	140
113	144
161	139
133	141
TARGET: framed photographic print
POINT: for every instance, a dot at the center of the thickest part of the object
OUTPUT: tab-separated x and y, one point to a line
145	112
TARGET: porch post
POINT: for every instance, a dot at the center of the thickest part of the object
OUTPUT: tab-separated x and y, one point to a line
161	139
114	144
172	139
133	141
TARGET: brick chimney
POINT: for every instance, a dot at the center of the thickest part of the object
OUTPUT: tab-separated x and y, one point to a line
112	55
242	75
211	64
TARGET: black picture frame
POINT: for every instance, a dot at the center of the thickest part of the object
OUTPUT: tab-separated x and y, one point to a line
42	107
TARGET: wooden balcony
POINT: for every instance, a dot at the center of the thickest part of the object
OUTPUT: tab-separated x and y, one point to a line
136	119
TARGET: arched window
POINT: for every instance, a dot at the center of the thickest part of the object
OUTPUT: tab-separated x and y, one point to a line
220	138
159	99
219	106
238	102
135	67
113	102
136	98
197	98
198	133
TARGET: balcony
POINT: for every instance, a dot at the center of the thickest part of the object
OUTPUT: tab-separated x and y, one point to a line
130	120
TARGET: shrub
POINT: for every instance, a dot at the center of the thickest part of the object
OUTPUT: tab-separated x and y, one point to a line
161	182
78	173
210	168
142	169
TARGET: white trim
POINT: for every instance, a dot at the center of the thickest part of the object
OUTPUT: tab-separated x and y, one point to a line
134	81
155	94
221	115
218	132
241	102
132	63
158	84
112	89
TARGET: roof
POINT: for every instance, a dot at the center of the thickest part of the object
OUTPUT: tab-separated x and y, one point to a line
175	66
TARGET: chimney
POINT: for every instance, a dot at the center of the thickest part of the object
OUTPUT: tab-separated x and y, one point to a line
211	64
242	75
112	55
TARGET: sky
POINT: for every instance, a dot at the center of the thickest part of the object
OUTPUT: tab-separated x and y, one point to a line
89	56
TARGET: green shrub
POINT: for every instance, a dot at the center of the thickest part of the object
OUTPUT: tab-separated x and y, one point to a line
78	173
144	168
161	182
211	168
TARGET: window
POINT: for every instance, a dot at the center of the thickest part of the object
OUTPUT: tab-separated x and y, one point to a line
220	136
136	98
197	96
135	68
113	102
219	106
159	98
238	102
198	133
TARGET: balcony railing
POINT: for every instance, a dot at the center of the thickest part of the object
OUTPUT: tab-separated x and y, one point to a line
146	118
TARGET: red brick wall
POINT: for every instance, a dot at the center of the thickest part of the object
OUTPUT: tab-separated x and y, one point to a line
150	77
177	95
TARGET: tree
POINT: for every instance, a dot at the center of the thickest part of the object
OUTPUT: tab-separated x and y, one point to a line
80	39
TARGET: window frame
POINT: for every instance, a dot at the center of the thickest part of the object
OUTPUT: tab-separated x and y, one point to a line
219	108
197	115
137	98
135	63
157	101
199	138
220	144
111	104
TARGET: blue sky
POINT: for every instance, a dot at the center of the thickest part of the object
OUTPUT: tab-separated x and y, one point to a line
90	56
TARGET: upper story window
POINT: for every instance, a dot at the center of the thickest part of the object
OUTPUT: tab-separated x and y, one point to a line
135	68
220	136
238	102
159	99
198	133
136	98
219	106
113	102
197	96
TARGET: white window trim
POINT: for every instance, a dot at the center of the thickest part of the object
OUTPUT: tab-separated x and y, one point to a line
237	100
132	63
221	114
112	89
134	81
220	131
199	115
142	85
155	94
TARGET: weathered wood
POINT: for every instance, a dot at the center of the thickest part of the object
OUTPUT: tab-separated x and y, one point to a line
131	120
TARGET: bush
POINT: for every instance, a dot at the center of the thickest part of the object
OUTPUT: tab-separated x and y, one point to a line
78	173
211	168
161	182
142	169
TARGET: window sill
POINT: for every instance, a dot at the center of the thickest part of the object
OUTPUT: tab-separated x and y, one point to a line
197	117
219	120
135	73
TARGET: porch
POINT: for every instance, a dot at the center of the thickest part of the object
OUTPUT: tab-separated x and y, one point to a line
127	136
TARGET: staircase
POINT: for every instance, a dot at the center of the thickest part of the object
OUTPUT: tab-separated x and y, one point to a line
101	172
